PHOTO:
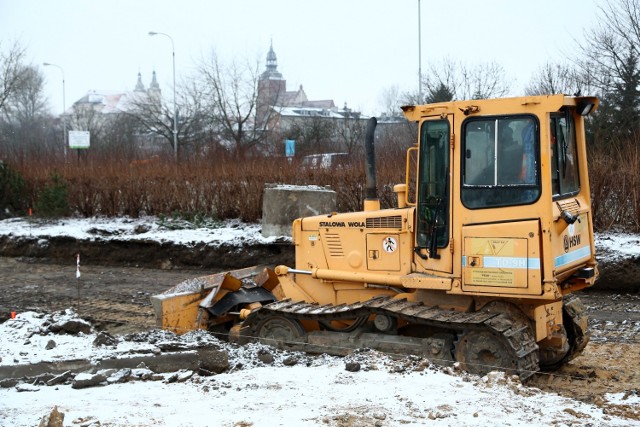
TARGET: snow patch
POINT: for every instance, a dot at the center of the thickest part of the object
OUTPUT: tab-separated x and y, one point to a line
230	233
292	388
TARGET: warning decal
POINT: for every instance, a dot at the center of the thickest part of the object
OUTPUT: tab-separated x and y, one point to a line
490	261
492	277
389	244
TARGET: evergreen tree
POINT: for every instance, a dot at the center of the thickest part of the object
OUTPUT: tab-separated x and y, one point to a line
442	93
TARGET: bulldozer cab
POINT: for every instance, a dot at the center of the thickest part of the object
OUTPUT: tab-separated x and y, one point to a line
501	193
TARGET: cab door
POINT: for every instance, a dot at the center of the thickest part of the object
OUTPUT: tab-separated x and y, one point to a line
434	208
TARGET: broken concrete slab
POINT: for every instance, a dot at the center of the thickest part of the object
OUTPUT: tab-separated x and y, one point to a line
212	360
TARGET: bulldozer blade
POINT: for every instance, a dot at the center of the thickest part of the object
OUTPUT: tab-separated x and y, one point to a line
179	309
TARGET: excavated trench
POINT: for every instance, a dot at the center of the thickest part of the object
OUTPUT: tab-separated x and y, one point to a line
146	253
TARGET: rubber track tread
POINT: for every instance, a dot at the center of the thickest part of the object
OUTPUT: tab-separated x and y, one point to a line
517	334
577	315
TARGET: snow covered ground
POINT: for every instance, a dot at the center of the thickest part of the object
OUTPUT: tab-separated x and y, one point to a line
146	228
613	245
315	391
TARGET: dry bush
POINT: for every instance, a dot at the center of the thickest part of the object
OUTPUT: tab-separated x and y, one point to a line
614	174
219	187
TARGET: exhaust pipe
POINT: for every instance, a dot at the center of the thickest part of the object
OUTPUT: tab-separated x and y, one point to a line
371	201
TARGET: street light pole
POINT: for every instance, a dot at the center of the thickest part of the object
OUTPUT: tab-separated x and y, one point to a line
175	107
64	108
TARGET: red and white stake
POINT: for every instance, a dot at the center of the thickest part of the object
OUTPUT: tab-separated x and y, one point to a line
78	281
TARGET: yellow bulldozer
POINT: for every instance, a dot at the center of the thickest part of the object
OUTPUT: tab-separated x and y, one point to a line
478	263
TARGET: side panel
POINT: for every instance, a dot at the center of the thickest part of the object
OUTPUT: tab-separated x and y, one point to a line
572	247
376	241
383	252
502	258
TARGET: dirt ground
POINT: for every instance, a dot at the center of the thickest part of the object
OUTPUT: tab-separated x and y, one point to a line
609	364
111	297
117	299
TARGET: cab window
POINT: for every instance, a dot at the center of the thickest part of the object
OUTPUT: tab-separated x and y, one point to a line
433	178
500	161
565	178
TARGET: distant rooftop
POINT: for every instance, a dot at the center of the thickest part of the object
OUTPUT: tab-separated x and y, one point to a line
111	102
316	112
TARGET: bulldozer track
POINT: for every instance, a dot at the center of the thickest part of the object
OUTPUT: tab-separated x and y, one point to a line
517	334
576	322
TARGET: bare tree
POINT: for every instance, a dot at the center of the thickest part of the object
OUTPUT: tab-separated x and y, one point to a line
24	119
85	116
391	101
118	137
27	101
155	118
195	120
441	75
455	80
350	131
397	134
609	61
11	67
553	79
314	134
231	95
608	46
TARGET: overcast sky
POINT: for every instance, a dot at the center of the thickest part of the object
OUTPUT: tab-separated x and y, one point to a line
348	51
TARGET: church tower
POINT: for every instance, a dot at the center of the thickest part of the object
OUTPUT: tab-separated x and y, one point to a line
155	94
271	87
139	85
